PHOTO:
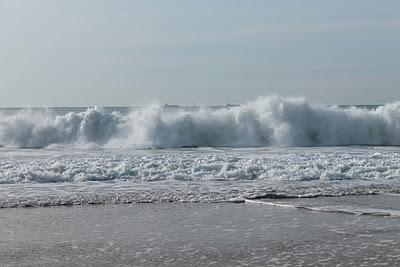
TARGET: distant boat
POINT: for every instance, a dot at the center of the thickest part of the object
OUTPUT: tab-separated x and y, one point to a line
232	105
171	106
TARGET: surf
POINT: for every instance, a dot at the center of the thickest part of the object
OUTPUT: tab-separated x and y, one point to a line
268	121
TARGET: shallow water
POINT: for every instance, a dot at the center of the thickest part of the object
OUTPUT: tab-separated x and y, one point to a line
61	176
201	234
300	176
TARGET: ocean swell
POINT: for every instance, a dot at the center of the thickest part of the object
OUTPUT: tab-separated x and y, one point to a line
269	121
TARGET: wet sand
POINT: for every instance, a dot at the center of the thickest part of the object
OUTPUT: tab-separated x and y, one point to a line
198	234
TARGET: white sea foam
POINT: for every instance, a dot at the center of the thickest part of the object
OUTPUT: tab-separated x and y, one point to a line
303	164
29	129
269	121
35	177
95	156
372	205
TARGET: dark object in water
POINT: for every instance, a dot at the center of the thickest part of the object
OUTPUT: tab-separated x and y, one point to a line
232	105
171	106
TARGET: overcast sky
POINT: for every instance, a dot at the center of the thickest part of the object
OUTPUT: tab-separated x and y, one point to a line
126	52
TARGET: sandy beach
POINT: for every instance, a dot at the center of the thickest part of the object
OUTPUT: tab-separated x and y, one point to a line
199	133
199	234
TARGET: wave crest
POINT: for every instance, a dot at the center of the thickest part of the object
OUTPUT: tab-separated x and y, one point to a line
29	129
269	121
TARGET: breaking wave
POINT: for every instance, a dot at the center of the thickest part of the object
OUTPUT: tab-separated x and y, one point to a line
269	121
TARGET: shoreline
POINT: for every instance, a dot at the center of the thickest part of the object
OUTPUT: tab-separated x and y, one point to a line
181	234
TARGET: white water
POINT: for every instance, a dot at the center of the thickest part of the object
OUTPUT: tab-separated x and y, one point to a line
34	177
202	165
270	146
371	205
270	121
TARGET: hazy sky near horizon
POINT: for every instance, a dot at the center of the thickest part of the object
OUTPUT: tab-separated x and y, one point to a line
126	52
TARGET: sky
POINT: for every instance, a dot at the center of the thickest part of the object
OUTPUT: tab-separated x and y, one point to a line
209	52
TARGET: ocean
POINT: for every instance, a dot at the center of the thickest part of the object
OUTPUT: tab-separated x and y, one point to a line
273	150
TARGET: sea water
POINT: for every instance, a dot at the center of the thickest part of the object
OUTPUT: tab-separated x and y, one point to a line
270	148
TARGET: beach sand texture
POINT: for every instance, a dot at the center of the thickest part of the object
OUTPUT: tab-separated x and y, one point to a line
199	234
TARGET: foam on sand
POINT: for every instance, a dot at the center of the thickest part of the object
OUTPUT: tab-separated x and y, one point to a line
372	205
